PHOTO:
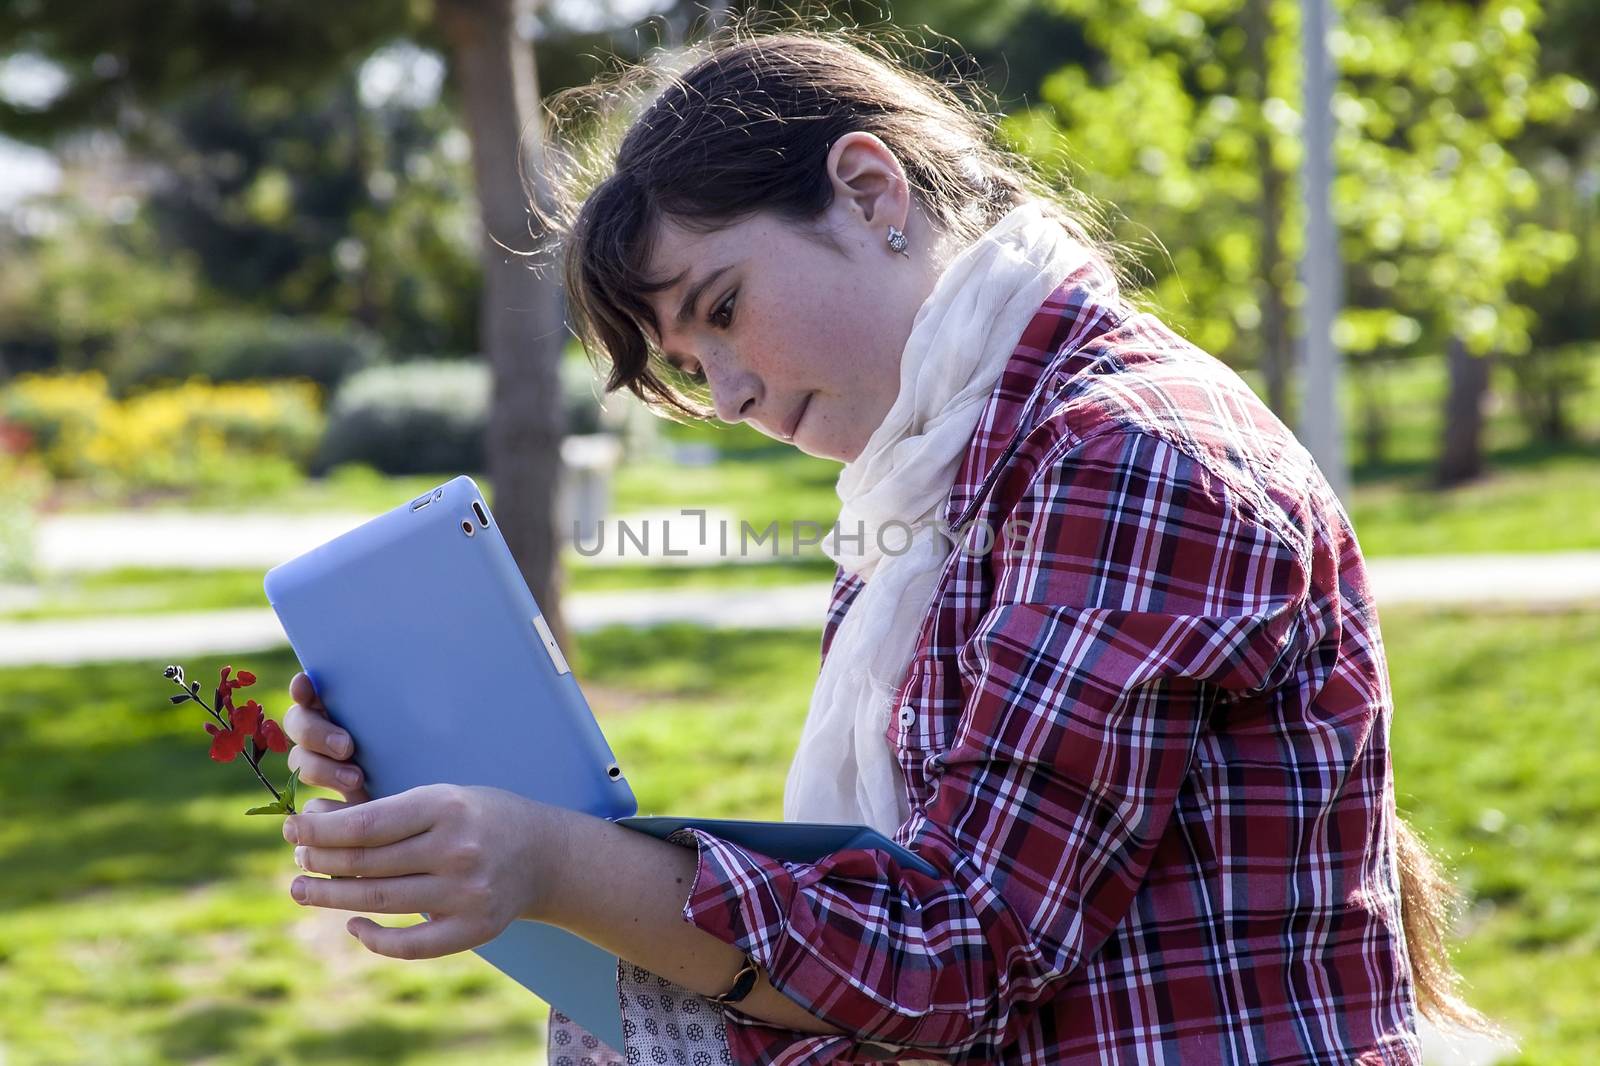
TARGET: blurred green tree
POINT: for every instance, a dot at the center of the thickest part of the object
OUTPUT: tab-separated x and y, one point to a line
1565	162
1435	214
322	204
1438	213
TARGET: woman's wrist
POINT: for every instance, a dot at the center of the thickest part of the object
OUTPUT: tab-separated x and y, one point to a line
549	859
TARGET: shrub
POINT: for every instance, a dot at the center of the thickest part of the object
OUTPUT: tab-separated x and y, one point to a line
420	417
231	347
60	412
195	434
430	416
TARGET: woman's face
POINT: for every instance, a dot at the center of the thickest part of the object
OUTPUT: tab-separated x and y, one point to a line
795	336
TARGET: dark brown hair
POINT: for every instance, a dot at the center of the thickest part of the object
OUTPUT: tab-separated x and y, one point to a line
746	127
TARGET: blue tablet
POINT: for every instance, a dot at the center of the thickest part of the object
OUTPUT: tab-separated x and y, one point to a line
421	637
424	643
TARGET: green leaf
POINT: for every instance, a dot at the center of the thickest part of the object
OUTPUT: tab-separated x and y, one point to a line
182	697
293	786
271	808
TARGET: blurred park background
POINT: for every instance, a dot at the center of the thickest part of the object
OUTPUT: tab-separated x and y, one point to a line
258	284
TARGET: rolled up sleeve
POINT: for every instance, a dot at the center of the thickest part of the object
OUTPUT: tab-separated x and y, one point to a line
1133	591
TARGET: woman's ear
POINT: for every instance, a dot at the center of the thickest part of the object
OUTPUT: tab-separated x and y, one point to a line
868	181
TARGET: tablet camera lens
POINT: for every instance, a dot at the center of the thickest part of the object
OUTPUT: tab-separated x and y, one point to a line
466	527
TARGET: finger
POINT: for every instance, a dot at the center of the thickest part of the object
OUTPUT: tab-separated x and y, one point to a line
420	854
302	691
426	940
322	803
380	895
310	728
365	825
344	777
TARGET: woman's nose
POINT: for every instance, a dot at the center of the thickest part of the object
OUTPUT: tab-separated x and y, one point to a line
733	394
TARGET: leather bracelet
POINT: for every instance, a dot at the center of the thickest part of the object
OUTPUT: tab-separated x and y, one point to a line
743	983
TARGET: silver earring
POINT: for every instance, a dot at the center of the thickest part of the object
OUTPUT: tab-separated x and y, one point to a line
897	241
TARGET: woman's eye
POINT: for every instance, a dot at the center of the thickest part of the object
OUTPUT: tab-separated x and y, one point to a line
722	317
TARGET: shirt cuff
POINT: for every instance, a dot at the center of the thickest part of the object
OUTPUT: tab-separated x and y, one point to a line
744	898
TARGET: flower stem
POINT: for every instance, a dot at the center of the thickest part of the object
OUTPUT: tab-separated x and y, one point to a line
229	725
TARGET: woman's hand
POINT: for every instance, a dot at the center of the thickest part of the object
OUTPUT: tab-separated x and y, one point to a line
321	749
470	857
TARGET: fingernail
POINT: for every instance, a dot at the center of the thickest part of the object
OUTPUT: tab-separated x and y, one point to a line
291	832
300	856
298	890
349	776
340	744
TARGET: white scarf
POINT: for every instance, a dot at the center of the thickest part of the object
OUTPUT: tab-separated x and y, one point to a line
844	770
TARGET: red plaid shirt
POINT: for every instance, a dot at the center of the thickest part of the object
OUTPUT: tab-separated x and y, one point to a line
1146	744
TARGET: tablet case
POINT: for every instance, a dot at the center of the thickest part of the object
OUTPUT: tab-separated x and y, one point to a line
424	643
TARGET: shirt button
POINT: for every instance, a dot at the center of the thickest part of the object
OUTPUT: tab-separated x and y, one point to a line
907	715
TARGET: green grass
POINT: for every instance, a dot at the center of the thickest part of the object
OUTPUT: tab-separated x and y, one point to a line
1534	497
144	919
1496	764
139	590
1540	502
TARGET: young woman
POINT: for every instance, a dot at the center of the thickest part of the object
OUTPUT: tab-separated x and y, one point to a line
1101	647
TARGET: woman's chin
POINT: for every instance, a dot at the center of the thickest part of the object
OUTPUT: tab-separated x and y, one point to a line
838	451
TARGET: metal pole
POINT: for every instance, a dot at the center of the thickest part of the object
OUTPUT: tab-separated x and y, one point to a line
1321	429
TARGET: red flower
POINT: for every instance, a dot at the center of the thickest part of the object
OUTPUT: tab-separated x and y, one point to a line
228	743
226	685
233	727
272	737
246	723
247	719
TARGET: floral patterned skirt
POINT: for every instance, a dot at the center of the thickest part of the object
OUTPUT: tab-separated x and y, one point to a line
663	1024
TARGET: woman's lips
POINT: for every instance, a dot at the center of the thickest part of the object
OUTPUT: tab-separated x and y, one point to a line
800	412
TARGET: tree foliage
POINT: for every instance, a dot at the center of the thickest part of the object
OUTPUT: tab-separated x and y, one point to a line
1436	212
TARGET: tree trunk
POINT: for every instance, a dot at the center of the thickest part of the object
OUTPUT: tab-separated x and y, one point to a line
1461	445
1275	343
1541	390
521	330
1374	418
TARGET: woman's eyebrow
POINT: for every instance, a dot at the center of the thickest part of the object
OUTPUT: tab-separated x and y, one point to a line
692	297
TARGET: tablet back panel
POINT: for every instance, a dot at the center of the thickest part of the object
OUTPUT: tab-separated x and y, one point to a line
425	643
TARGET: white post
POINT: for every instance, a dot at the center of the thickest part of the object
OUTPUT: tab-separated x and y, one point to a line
1321	429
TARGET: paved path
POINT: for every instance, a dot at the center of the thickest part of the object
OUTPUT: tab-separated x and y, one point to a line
1532	580
176	636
